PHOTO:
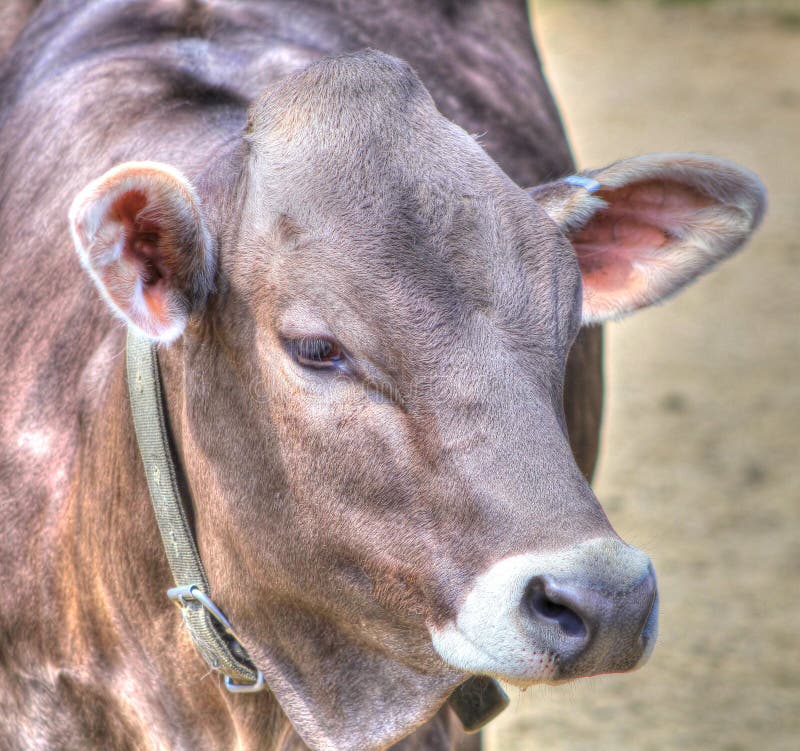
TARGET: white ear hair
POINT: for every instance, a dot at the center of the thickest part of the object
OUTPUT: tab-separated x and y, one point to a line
568	202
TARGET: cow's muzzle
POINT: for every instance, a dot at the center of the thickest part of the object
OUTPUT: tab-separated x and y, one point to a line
555	616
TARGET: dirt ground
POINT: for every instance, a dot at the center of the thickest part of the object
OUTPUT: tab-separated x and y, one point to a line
701	448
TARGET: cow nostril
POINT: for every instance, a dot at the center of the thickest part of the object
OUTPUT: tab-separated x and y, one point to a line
543	607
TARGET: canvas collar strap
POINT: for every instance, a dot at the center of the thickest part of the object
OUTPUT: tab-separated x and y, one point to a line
476	702
210	630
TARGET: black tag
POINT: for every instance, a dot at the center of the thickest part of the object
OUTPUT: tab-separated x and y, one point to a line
478	701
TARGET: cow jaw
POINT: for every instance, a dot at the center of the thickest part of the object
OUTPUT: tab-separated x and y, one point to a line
539	617
339	694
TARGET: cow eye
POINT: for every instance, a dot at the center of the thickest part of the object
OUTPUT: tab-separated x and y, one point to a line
316	352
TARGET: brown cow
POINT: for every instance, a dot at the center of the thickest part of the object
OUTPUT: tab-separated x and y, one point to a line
365	325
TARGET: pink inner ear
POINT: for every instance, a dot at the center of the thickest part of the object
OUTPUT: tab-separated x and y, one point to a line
641	219
142	245
143	253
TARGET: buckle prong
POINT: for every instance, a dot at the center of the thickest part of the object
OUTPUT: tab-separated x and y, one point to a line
180	595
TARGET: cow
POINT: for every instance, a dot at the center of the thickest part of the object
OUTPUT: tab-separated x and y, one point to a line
375	286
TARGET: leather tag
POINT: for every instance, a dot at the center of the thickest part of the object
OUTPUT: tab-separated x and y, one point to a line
478	701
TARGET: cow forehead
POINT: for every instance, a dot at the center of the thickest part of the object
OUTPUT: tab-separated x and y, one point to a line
345	129
356	183
348	98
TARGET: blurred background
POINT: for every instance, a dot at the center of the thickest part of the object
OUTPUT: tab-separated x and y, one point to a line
701	447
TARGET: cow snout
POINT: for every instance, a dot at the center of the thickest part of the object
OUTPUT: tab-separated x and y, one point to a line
551	617
576	612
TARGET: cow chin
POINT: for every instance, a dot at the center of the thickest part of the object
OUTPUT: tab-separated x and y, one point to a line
553	617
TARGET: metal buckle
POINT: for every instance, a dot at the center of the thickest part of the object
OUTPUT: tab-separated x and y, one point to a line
245	688
180	595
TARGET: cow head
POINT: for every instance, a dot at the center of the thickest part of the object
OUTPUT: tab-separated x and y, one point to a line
370	334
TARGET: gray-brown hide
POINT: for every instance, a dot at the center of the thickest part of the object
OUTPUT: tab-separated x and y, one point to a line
347	516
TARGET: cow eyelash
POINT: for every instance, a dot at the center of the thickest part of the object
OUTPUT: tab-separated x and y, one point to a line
317	352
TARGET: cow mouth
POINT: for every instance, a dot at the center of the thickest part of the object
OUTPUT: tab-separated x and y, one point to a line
532	667
529	667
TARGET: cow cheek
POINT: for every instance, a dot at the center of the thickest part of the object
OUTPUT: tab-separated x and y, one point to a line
356	495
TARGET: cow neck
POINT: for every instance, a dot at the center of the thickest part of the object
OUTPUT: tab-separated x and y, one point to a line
476	702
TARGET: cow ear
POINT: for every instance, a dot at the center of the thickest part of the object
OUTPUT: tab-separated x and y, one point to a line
643	228
140	234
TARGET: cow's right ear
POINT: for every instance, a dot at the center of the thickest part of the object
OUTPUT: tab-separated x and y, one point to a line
643	228
140	233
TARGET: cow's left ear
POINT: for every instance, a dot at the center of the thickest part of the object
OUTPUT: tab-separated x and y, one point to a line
645	227
140	233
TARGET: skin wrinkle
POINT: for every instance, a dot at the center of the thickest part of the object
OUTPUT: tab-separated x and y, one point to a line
332	548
